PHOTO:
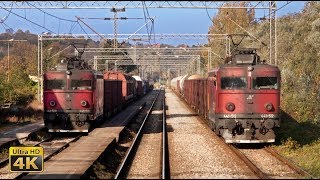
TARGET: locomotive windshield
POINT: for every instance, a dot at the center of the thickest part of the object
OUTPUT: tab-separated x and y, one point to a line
233	82
265	83
55	84
80	84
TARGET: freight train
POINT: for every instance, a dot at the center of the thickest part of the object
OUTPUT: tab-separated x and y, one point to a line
75	96
239	100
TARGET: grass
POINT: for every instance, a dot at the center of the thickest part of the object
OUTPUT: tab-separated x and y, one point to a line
300	142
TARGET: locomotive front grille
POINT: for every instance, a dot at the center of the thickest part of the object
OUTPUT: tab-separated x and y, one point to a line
67	122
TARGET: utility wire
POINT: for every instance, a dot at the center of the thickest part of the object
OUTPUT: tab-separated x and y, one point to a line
51	14
280	8
28	20
73	25
145	10
3	23
205	4
246	30
145	19
3	26
121	18
84	30
5	18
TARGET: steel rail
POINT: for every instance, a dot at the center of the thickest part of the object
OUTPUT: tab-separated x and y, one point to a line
122	168
251	165
289	163
165	148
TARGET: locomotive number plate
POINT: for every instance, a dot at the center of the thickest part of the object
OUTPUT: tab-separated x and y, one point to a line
267	115
229	115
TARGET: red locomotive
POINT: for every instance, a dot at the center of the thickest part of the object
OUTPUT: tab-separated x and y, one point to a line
72	96
240	100
75	96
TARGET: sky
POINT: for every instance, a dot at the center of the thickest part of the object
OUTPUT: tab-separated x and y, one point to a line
176	21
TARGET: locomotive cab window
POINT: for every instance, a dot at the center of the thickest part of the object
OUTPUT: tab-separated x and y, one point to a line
233	82
81	84
55	84
265	83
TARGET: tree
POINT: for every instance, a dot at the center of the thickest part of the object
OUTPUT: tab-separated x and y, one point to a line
227	21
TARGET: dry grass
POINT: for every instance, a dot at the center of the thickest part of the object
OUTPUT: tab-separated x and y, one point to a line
300	142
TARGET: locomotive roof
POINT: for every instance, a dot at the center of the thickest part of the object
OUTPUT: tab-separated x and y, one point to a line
256	66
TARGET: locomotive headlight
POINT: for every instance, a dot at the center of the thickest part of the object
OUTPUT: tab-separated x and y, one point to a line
268	106
68	72
84	103
230	106
52	103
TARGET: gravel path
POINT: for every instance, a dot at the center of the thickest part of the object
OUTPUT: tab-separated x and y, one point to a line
269	164
194	151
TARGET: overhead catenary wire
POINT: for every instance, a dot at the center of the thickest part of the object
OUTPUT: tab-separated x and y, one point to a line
3	26
83	29
145	11
51	14
205	4
120	18
144	14
28	20
73	25
6	17
288	2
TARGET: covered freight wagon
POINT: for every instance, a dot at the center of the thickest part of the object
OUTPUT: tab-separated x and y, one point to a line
139	85
128	83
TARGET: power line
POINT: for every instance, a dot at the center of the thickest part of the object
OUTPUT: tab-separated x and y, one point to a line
3	26
73	25
205	3
145	10
5	18
6	25
107	18
288	2
28	20
83	30
51	14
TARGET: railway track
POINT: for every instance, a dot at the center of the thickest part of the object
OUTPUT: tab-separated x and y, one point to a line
15	135
268	164
5	161
264	162
74	161
147	156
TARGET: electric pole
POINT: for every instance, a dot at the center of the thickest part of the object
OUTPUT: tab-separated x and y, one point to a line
115	11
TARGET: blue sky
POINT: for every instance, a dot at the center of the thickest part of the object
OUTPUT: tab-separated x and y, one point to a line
167	20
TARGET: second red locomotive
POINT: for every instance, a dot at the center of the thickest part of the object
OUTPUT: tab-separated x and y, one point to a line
240	100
